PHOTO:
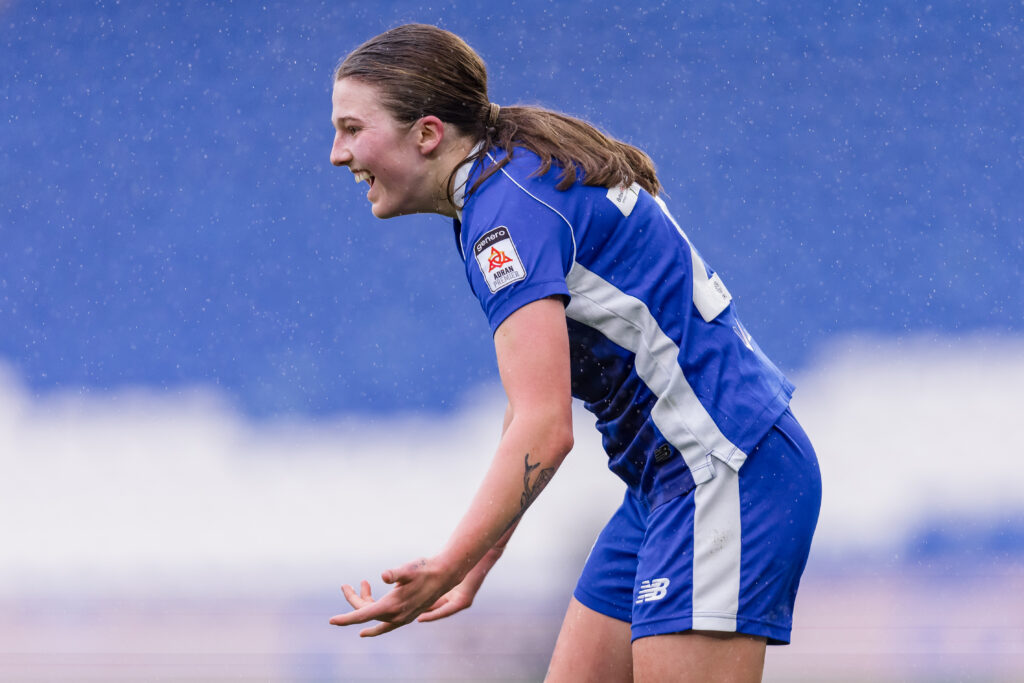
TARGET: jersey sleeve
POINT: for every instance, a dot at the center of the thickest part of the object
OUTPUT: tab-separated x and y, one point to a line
517	249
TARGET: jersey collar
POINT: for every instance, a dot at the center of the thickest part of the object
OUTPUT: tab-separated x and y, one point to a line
462	180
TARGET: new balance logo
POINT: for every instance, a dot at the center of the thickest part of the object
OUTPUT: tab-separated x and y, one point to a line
652	590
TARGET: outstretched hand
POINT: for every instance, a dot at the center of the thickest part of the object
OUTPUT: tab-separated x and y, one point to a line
418	587
455	600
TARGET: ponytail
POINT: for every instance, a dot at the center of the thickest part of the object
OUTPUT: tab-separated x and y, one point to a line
580	150
422	70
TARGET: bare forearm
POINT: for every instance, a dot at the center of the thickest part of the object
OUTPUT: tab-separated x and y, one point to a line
528	455
532	349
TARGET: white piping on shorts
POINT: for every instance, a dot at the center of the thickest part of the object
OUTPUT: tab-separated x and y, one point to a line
717	538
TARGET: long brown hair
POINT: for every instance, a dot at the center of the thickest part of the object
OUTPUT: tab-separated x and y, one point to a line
421	70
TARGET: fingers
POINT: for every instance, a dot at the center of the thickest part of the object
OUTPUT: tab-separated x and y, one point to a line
362	599
358	616
432	612
365	607
396	608
369	611
379	629
441	612
444	607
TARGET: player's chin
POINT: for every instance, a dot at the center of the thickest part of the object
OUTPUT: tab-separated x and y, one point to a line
382	211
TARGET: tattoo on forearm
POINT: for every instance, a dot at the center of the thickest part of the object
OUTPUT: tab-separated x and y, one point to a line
530	493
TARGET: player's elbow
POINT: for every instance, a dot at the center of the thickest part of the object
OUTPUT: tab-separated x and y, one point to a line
558	434
563	438
549	427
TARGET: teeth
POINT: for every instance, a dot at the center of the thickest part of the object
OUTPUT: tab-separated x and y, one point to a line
362	175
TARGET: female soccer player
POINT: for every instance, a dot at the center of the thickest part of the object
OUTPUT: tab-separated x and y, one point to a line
592	290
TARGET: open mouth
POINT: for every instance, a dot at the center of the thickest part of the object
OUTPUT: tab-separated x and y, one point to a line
364	175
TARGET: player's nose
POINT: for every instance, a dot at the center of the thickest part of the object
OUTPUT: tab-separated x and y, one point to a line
339	152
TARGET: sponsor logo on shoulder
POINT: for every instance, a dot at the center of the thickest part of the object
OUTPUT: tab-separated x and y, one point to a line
652	590
624	198
498	259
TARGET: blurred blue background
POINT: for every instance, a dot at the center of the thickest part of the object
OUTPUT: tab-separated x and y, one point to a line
169	216
219	372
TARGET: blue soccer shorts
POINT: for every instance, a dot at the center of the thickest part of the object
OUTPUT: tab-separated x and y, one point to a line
727	556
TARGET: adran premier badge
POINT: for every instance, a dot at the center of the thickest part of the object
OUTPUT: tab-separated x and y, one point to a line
498	259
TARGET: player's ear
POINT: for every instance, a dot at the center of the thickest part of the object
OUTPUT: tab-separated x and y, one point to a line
429	132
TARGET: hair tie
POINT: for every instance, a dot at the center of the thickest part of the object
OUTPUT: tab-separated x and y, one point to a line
492	114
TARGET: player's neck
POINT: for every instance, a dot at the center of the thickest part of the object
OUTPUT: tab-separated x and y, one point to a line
454	151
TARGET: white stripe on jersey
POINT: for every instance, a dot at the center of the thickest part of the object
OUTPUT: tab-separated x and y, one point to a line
717	540
678	413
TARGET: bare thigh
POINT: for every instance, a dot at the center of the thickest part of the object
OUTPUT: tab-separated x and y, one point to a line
591	648
699	656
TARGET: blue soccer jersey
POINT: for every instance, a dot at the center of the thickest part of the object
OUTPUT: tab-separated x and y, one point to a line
658	354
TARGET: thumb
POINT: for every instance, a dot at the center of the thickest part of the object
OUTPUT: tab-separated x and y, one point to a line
403	574
439	610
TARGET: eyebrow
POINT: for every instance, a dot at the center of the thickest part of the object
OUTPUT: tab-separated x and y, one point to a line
342	119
